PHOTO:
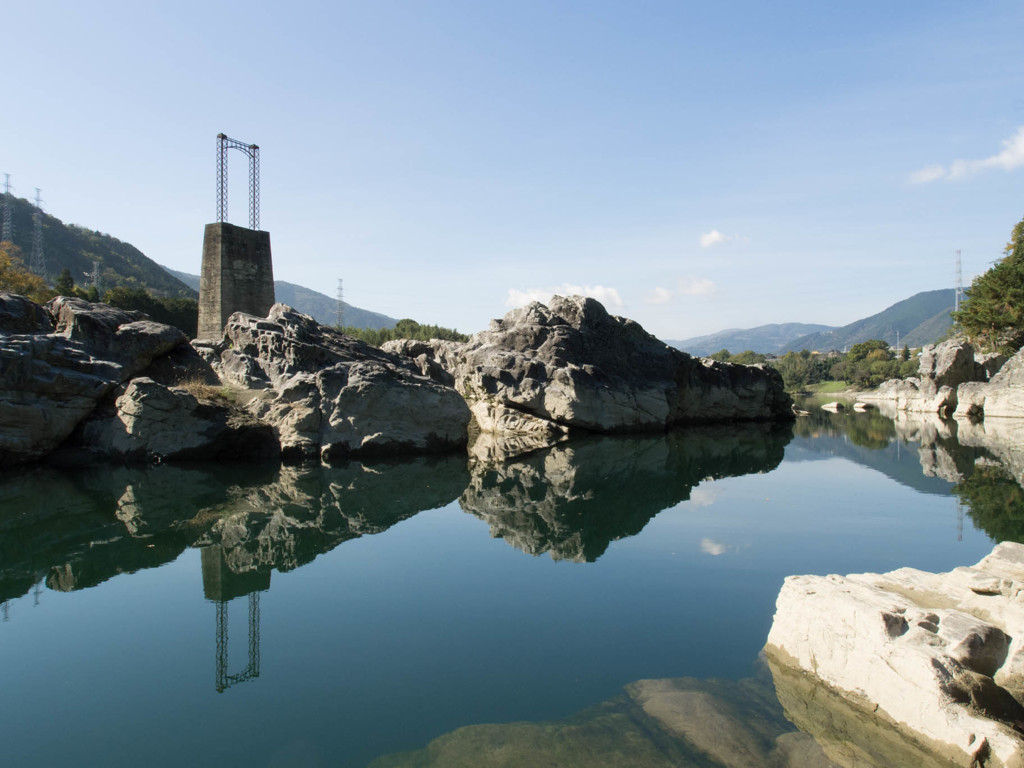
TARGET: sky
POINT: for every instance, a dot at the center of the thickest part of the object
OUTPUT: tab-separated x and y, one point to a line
695	166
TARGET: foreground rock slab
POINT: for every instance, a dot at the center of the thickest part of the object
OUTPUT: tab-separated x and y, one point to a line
936	658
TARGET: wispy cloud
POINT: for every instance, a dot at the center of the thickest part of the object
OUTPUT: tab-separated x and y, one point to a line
712	547
1011	157
697	286
658	295
714	237
703	495
608	296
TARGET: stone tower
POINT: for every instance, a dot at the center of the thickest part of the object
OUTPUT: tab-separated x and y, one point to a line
237	273
237	276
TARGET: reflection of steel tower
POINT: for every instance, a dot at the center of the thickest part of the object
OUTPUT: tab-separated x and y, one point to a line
221	585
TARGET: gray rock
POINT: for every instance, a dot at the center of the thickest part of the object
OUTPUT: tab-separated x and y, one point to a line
330	396
21	315
1001	397
543	370
152	422
948	364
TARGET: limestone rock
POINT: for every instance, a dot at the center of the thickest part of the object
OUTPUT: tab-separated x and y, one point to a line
938	657
330	396
948	364
60	361
543	370
1001	397
915	395
152	422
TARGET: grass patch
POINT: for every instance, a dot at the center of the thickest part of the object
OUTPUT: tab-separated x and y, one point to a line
827	387
202	391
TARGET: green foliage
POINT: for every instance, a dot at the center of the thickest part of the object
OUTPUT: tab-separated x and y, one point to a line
800	369
180	312
746	357
995	502
404	329
993	314
15	278
65	285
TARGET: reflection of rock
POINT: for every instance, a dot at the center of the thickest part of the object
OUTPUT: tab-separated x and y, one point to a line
938	657
79	528
312	510
574	499
332	396
542	370
671	723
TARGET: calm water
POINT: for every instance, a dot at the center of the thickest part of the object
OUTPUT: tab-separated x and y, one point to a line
226	616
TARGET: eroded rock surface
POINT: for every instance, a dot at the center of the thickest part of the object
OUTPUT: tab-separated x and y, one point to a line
1000	397
330	396
544	370
58	362
937	657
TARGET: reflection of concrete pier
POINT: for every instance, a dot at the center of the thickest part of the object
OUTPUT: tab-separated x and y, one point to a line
221	585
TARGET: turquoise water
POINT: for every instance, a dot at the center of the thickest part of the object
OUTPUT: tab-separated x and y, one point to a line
230	616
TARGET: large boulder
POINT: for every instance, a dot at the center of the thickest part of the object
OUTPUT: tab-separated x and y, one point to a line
915	395
330	396
936	657
948	364
59	361
544	370
1001	397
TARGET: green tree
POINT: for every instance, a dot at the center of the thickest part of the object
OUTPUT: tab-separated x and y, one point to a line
993	314
65	285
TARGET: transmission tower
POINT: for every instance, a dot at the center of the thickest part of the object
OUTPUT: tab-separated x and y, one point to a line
38	262
253	153
94	276
8	229
959	283
341	304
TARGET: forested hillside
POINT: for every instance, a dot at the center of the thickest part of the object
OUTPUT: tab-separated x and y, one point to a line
76	248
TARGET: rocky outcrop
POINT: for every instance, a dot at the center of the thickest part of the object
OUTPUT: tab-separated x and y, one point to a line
330	396
936	657
542	371
1000	397
58	362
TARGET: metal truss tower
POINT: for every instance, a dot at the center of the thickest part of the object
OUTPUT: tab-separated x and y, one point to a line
341	304
7	234
959	284
253	153
38	261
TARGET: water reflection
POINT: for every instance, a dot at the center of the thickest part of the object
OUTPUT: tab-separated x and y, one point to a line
571	501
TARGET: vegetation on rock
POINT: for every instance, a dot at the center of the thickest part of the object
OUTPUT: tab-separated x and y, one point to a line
404	329
16	278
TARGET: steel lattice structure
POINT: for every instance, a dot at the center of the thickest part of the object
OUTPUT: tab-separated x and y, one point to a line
253	153
38	261
7	233
225	680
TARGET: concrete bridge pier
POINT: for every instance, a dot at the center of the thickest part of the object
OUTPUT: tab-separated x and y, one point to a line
237	276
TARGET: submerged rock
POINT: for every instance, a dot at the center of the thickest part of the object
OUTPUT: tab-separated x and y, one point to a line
938	658
544	370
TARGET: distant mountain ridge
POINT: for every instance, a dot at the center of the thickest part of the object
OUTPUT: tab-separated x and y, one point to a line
763	339
921	319
319	306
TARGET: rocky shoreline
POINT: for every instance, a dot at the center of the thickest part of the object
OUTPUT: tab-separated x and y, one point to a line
87	383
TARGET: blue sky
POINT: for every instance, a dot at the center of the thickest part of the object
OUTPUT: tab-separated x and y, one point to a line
697	166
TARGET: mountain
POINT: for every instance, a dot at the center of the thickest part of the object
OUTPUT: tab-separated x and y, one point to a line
320	307
921	319
76	248
763	339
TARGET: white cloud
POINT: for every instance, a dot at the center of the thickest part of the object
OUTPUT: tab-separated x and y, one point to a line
1011	157
697	286
712	547
658	296
703	496
607	296
714	237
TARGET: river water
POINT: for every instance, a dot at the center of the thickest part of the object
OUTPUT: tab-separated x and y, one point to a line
445	612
